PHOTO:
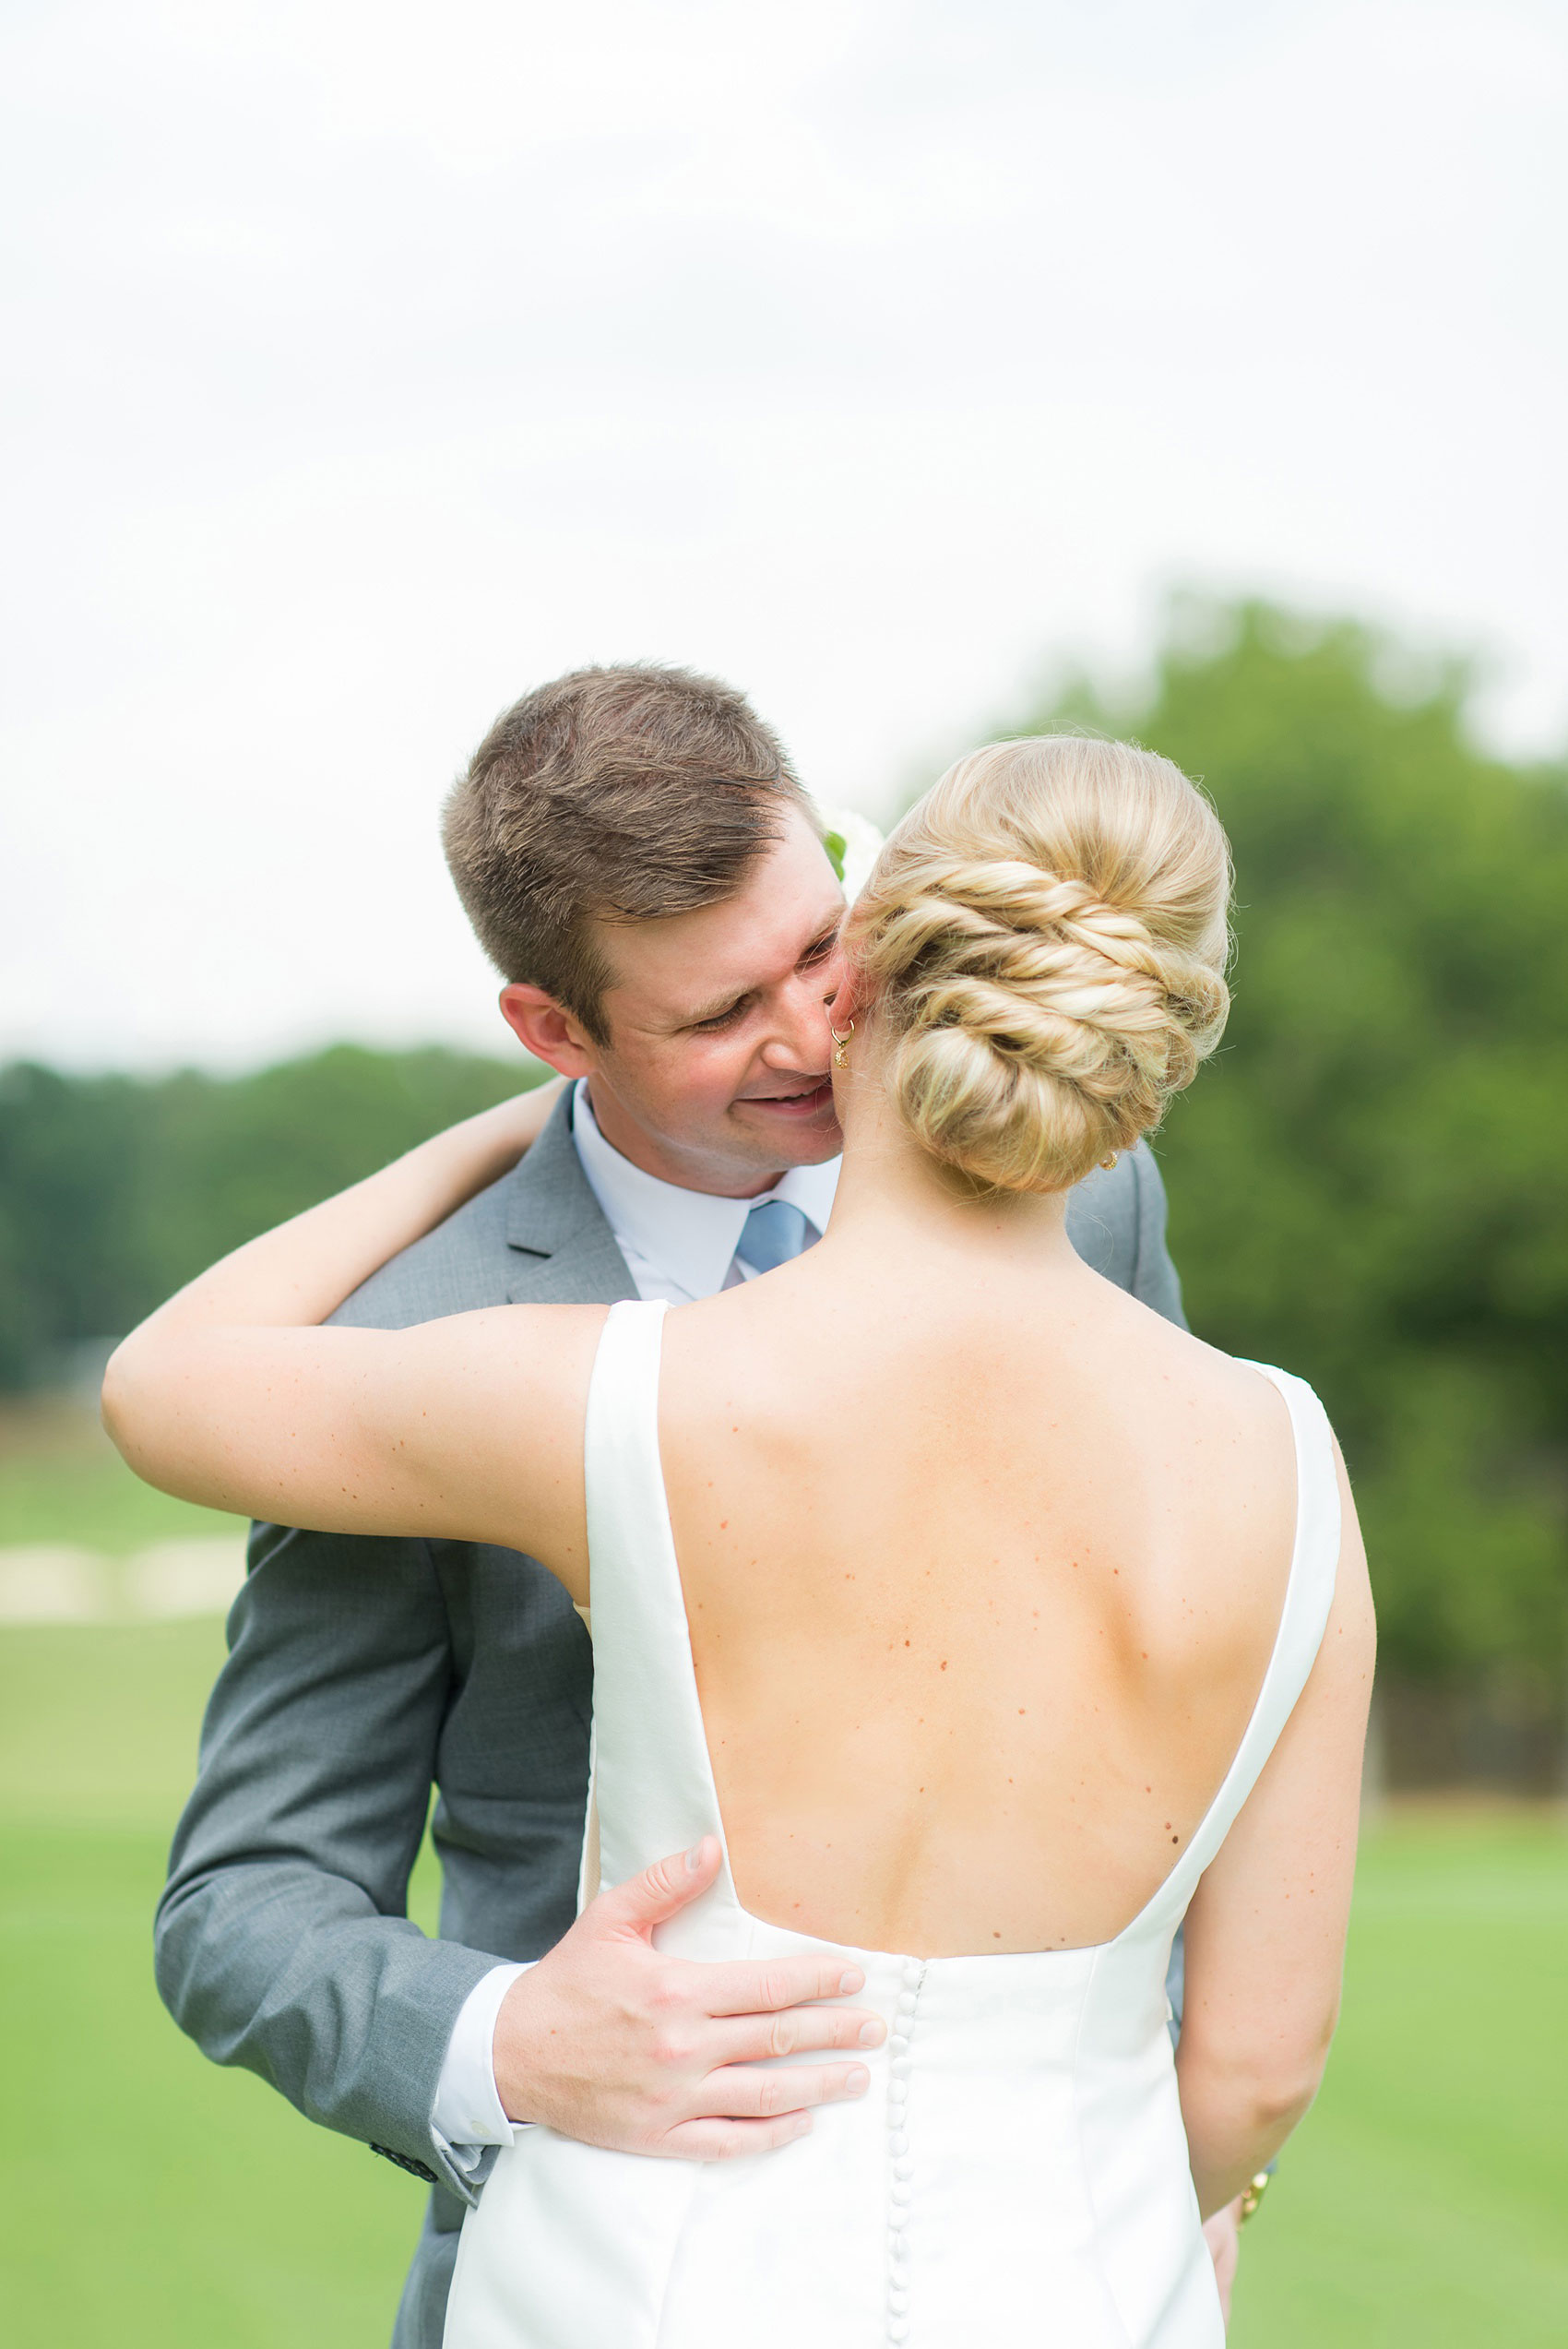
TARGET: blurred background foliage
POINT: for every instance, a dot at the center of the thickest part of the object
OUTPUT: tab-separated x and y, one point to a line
1366	1185
114	1189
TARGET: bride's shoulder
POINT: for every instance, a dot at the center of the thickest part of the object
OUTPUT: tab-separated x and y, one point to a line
1233	1391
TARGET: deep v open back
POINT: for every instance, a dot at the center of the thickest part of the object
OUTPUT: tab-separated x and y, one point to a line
1017	2171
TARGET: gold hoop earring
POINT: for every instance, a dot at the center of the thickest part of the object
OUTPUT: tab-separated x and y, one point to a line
840	1053
1107	1164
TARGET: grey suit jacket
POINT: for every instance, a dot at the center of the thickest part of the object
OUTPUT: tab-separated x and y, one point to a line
362	1673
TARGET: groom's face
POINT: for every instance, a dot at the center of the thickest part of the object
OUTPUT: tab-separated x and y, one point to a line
715	1074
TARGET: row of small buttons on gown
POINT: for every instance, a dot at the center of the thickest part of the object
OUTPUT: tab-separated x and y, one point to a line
900	2163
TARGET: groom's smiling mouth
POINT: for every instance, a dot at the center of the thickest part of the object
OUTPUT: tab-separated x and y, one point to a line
799	1104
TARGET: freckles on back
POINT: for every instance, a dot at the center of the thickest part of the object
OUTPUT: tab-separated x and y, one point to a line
912	1754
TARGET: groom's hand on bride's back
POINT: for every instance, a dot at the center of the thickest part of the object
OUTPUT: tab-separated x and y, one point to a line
608	2040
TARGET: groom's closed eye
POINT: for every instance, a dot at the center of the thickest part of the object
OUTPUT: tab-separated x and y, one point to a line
708	1023
714	1021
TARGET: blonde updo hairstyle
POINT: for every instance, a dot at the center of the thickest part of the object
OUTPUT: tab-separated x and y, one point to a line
1045	937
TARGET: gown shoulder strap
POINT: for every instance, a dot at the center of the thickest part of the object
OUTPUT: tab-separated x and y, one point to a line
653	1787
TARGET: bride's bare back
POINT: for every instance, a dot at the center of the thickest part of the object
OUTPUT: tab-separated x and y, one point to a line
984	1572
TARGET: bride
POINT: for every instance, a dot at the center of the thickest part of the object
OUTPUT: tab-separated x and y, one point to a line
989	1625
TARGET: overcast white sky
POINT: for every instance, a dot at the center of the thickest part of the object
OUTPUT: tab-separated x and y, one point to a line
369	363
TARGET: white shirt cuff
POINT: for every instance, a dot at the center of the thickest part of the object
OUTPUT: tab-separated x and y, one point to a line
467	2113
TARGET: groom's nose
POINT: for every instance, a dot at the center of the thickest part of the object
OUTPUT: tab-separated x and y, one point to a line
799	1037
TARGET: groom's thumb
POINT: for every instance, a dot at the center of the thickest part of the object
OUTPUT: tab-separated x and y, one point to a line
647	1900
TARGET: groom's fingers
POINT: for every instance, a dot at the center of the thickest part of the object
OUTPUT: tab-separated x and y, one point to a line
747	2091
612	2040
723	2140
798	2030
647	1900
752	1989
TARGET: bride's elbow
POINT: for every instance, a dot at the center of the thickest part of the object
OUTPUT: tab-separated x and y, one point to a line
127	1405
1269	2085
1278	2103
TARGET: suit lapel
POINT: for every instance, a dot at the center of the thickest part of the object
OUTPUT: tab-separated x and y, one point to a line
563	1250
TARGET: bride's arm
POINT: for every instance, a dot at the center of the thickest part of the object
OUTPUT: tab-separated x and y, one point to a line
1265	1931
231	1393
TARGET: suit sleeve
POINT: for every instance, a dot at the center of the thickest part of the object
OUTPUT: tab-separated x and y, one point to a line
1155	1282
281	1940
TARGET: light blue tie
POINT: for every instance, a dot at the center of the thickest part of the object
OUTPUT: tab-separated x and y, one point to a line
774	1233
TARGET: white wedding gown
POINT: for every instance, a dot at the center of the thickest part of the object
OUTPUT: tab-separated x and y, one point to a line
1017	2171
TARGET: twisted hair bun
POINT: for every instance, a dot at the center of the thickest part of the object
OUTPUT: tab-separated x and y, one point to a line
1045	935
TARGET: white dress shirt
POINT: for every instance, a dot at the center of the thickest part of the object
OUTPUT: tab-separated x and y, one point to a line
680	1245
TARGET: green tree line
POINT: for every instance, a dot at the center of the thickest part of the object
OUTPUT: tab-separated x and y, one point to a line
1367	1183
115	1189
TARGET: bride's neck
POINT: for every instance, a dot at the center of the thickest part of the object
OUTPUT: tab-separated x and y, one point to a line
890	1190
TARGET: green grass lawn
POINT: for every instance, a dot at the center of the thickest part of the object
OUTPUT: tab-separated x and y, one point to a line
151	2199
1425	2200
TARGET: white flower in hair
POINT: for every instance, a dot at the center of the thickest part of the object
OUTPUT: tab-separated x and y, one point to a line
854	845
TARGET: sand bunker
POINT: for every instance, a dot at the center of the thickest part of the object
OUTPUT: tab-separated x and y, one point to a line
57	1583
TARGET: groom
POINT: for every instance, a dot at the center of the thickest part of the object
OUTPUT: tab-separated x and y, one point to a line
639	860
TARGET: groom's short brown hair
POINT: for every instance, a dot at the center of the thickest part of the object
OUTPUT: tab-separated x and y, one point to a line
610	795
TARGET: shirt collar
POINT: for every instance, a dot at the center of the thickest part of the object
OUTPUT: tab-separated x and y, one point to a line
690	1236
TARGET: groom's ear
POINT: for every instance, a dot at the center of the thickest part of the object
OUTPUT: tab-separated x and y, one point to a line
548	1029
